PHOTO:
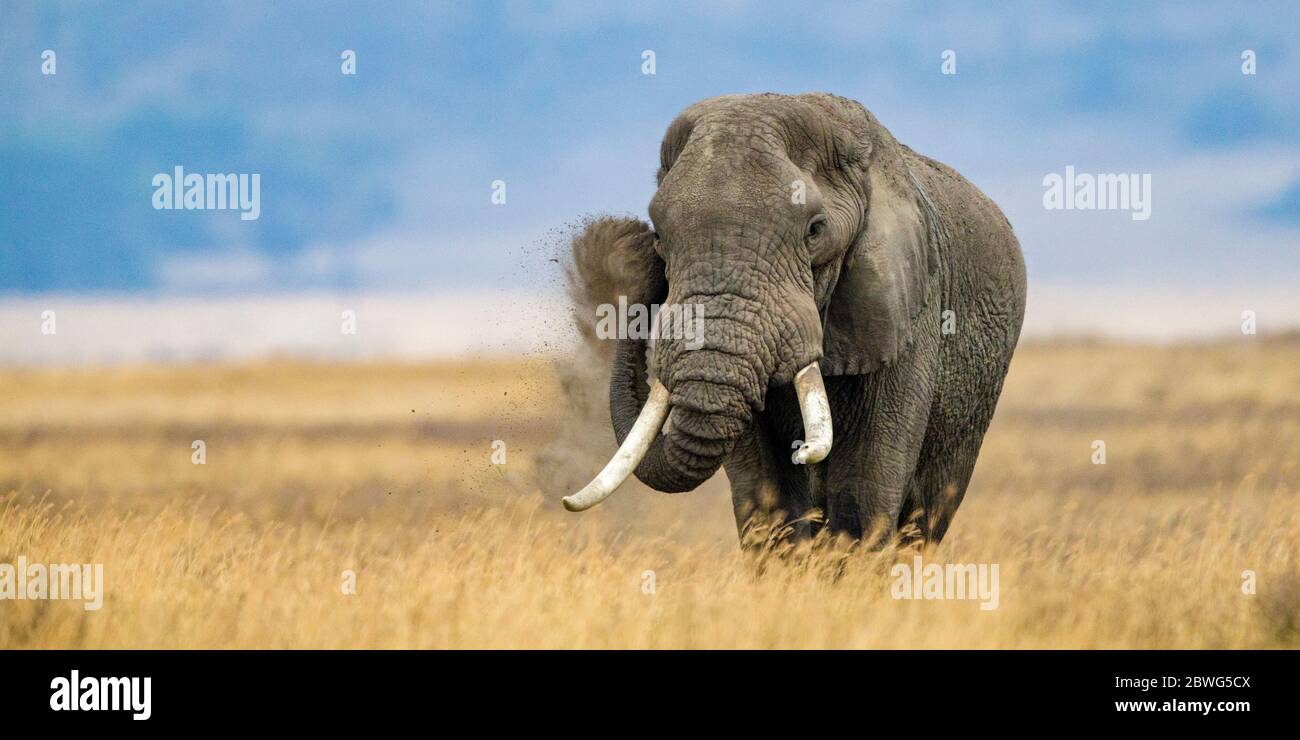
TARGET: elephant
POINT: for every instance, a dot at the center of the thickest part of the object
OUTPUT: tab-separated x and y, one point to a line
861	306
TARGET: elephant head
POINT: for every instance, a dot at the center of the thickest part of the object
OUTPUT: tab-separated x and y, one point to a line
793	224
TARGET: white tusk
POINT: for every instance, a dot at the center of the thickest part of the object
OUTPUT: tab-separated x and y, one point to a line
629	454
816	410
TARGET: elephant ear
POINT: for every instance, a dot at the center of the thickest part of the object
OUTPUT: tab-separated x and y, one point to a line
884	280
612	258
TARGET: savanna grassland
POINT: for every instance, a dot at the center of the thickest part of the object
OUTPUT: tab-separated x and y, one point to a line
385	471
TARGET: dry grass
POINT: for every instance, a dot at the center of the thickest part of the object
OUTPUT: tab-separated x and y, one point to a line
384	470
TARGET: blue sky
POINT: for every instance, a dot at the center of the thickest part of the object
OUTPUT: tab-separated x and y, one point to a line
382	181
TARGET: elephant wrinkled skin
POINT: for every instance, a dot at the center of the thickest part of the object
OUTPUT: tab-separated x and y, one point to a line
808	234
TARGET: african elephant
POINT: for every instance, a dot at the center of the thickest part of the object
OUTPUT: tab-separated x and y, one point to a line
861	303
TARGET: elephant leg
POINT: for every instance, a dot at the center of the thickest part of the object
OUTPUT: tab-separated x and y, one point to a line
865	489
948	457
759	500
843	492
934	495
872	467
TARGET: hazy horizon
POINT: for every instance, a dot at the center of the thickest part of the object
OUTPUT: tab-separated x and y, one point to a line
413	326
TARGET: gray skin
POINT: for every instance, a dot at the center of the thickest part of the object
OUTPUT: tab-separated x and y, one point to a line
857	277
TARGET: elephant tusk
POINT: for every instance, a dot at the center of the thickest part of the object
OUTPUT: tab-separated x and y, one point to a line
816	410
629	454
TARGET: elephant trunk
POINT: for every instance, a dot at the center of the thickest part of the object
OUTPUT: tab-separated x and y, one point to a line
685	454
735	326
702	431
706	420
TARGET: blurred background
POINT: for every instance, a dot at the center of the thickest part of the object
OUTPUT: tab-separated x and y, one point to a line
376	187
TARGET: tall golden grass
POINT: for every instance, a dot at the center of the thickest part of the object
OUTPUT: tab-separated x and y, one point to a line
384	471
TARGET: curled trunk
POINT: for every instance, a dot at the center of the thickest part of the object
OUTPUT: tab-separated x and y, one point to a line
699	436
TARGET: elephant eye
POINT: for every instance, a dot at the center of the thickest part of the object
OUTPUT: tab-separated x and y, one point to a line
816	226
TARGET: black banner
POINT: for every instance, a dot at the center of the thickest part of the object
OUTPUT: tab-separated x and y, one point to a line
537	689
